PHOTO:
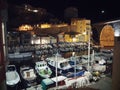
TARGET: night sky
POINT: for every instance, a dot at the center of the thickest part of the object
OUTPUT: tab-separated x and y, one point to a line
96	10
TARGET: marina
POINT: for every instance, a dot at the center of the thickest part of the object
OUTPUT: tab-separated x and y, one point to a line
94	73
40	52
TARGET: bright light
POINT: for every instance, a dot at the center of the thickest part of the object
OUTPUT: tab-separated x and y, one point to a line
73	53
35	41
45	25
35	11
117	29
117	33
3	32
25	27
29	9
74	39
84	33
102	11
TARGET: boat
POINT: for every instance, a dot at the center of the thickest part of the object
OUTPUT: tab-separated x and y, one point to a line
107	57
12	76
73	58
84	59
64	83
18	57
50	83
106	52
77	82
63	67
76	62
28	75
36	87
99	65
99	56
43	69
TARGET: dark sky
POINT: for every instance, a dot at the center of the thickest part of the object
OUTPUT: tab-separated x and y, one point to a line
96	10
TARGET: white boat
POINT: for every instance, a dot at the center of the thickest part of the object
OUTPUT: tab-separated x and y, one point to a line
12	76
17	56
64	83
100	65
107	58
107	52
28	74
63	67
84	59
99	56
36	87
42	69
78	82
75	60
49	83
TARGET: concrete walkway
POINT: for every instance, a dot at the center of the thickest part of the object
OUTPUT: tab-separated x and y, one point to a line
104	83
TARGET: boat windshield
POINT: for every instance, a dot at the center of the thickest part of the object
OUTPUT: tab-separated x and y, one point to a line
11	68
85	58
106	52
41	64
64	64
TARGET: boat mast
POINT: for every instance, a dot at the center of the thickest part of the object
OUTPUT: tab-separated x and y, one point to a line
88	50
73	57
56	59
93	57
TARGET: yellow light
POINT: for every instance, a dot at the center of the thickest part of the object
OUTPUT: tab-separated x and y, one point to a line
74	39
45	25
84	33
25	28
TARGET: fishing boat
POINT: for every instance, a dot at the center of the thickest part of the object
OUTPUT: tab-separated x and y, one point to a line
12	76
62	67
28	75
42	69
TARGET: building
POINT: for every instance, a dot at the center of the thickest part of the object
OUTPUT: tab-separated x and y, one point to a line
83	27
78	31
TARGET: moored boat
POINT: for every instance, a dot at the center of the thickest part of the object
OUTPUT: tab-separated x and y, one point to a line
50	83
28	75
42	69
18	57
61	66
12	76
